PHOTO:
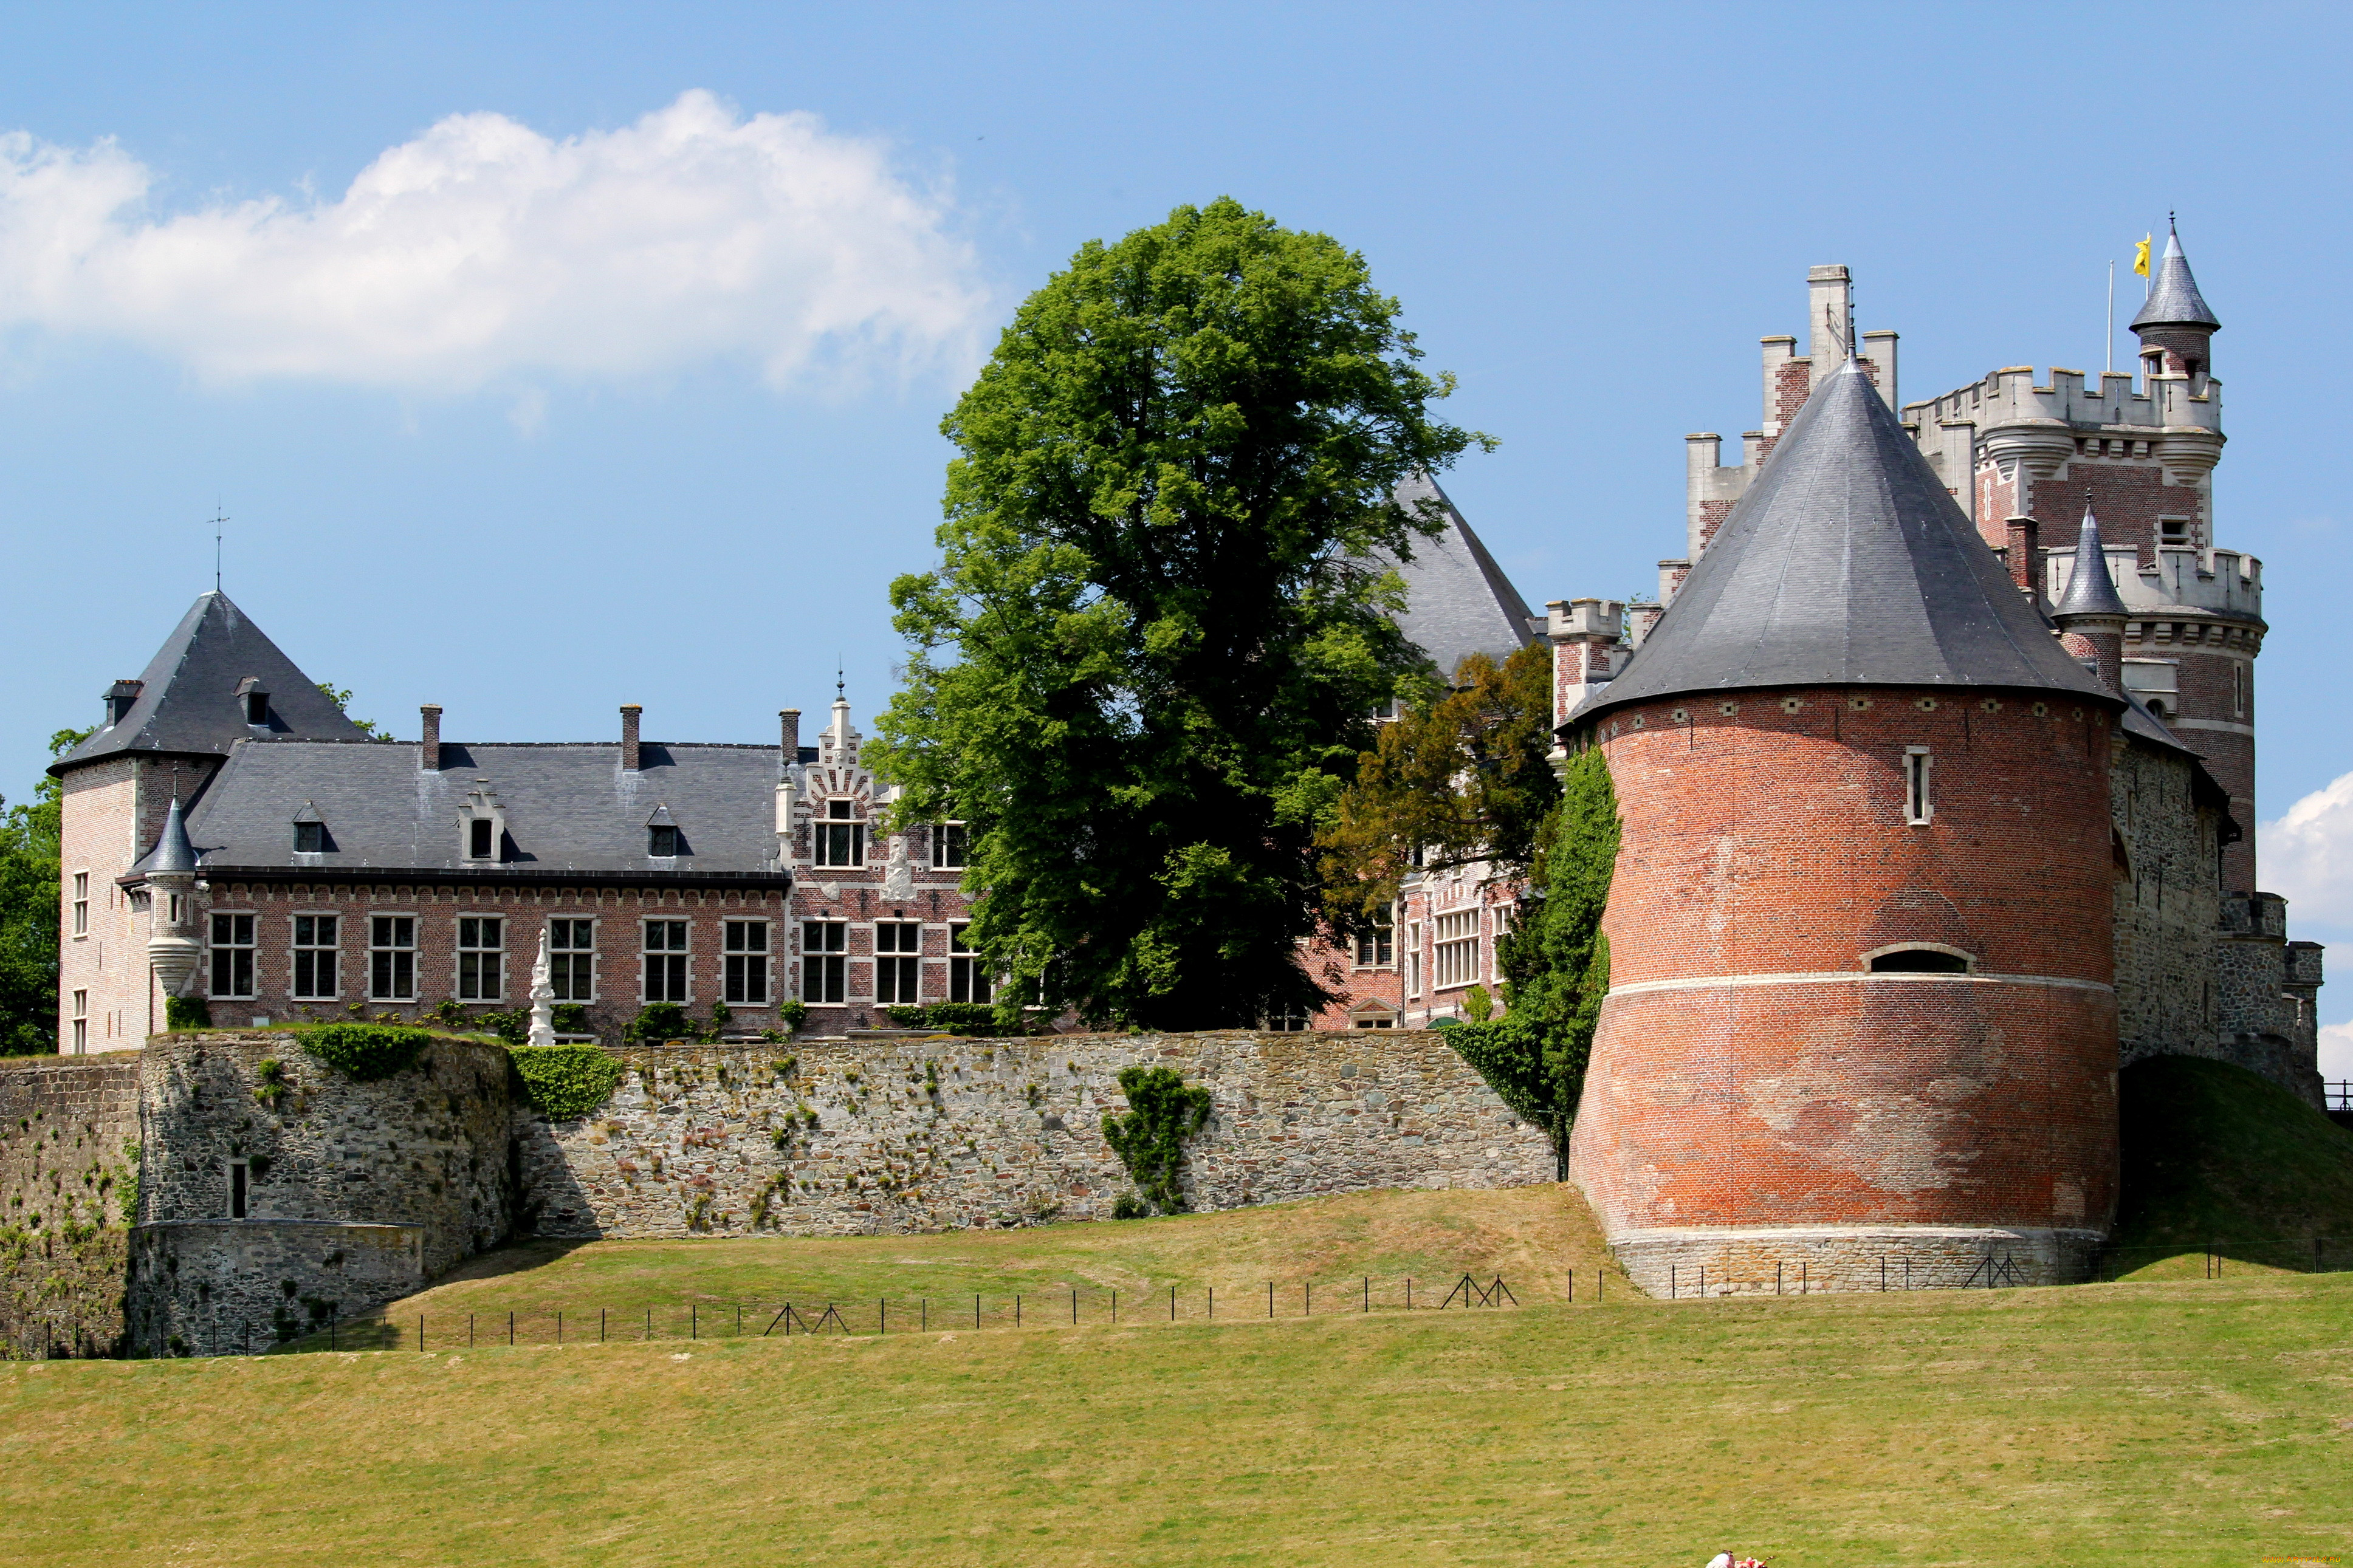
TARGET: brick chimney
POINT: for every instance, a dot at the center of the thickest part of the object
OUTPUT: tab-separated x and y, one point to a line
2024	553
630	713
790	744
428	750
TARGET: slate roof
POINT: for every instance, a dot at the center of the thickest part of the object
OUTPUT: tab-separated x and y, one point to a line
2173	296
571	809
2092	593
1846	564
173	852
1458	601
189	703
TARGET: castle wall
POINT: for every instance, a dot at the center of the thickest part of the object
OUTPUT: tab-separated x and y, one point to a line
923	1135
68	1164
225	1287
2164	906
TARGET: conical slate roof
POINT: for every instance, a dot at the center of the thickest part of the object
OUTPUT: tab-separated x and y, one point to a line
1458	601
2092	593
188	700
2173	296
1847	563
173	852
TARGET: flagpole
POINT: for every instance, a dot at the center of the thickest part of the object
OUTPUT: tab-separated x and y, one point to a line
2111	339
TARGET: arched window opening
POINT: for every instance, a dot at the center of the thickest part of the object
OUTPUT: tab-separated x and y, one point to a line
1919	960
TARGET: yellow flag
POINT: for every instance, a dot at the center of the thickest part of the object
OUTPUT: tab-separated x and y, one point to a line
2140	256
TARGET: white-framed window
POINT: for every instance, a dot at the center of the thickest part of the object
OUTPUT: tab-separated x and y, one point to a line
1917	807
664	956
81	1023
482	953
232	956
840	837
1413	958
825	965
897	961
745	943
572	959
314	957
947	847
1457	948
391	958
1377	949
968	978
81	903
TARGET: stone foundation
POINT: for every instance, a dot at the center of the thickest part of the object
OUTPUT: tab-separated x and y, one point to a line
1685	1264
225	1287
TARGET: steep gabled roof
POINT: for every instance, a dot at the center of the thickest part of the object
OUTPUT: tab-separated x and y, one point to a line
188	700
1458	601
1846	564
2173	296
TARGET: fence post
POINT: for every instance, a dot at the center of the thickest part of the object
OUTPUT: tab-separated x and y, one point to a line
926	1310
600	1325
1671	1282
332	1319
420	1333
1803	1269
1172	1303
1777	1276
1368	1292
510	1328
649	1323
975	1311
559	1328
1016	1310
470	1331
694	1320
1115	1306
1270	1297
1308	1310
1213	1300
1074	1308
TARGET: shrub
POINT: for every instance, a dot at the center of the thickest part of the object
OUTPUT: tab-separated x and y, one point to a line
565	1083
452	1015
272	1086
1478	1004
1150	1139
1130	1206
658	1021
570	1018
512	1026
365	1051
186	1013
793	1014
720	1016
949	1017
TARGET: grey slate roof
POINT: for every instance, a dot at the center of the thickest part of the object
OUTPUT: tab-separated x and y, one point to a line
1458	601
189	702
2092	593
570	808
2173	296
1846	564
173	853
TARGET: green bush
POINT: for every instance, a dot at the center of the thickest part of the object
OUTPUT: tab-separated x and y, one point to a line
792	1015
1130	1206
366	1051
949	1018
451	1013
659	1021
1150	1139
511	1028
720	1016
1479	1004
565	1083
570	1018
186	1013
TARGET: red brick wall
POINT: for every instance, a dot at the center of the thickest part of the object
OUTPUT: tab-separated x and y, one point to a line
2127	498
1773	840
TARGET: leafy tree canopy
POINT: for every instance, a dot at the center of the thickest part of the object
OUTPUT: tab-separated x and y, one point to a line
29	868
1144	669
1464	774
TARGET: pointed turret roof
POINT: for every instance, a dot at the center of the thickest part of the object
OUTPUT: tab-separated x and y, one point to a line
2092	593
1847	563
1458	601
189	702
2173	296
173	852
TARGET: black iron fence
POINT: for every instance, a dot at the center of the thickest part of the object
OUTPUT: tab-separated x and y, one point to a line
2339	1096
393	1329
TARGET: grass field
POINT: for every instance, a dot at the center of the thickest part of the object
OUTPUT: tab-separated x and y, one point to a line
2189	1422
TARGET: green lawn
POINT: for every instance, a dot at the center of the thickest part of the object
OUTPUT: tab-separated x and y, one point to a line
2188	1423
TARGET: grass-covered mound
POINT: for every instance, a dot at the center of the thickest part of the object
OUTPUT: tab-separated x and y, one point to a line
2215	1156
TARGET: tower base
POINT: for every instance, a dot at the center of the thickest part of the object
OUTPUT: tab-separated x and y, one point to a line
1688	1263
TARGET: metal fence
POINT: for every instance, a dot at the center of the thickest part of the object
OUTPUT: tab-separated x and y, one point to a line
695	1321
2338	1096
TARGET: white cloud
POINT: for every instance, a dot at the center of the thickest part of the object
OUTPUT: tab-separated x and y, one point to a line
2337	1053
483	249
2307	855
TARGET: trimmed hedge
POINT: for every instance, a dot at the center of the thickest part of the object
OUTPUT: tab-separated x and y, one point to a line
566	1083
366	1051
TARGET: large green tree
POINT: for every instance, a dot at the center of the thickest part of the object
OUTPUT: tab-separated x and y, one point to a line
1143	668
30	837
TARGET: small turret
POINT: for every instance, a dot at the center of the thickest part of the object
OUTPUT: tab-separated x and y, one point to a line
2175	327
2090	616
171	871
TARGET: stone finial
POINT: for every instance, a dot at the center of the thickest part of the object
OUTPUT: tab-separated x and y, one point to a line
543	997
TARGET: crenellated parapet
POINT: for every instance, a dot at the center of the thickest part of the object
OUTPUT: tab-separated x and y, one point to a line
2226	583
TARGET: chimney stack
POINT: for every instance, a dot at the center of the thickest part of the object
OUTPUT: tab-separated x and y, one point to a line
2025	553
629	712
428	750
790	717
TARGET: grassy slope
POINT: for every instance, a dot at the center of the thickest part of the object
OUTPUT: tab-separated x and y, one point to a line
2213	1154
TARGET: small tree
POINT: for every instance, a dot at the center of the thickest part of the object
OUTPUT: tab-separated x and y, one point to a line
1162	1112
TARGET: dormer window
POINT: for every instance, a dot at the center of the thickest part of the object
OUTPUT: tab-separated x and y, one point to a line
119	698
481	839
481	823
840	838
310	831
256	700
663	839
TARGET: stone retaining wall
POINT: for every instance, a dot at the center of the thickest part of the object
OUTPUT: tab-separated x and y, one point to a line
224	1287
895	1136
1681	1264
69	1157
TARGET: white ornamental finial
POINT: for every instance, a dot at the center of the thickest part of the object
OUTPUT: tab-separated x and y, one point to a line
542	993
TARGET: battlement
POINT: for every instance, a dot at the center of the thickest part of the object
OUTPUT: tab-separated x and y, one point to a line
2008	396
2218	582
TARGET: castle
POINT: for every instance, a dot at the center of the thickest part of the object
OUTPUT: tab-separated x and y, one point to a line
1935	756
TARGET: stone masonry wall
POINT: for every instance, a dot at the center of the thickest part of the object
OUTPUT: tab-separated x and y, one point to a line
2166	904
68	1164
898	1136
226	1287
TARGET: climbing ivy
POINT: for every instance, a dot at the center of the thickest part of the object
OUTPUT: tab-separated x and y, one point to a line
366	1051
1162	1112
565	1083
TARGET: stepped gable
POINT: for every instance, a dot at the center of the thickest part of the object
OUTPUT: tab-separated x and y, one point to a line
1458	601
188	700
566	808
2173	296
1847	563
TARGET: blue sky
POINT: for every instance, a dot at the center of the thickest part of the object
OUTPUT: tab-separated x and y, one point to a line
670	449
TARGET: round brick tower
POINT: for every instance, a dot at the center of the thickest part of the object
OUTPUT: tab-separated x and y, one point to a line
1860	1023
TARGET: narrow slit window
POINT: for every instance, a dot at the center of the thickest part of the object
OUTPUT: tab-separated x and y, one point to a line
1917	806
236	1179
81	903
